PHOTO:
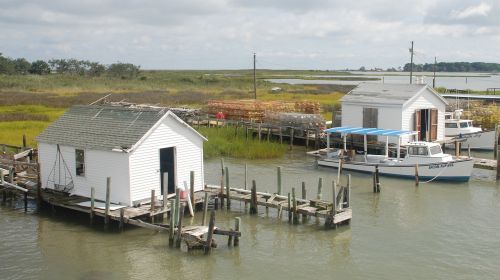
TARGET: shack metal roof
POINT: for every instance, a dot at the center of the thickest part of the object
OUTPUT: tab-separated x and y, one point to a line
391	94
104	127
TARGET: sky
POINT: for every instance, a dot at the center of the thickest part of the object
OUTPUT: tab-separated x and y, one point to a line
224	34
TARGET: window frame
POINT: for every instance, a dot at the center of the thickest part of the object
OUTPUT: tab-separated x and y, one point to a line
79	163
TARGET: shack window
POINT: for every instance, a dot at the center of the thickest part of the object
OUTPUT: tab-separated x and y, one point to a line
370	119
80	162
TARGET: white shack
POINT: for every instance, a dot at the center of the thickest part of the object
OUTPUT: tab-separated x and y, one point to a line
132	145
415	107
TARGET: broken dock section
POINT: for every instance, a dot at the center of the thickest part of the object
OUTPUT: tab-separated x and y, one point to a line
335	212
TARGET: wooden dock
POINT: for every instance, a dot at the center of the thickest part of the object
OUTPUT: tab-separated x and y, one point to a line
335	212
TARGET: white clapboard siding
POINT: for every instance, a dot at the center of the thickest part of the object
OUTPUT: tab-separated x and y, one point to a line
98	166
145	159
426	100
389	117
352	115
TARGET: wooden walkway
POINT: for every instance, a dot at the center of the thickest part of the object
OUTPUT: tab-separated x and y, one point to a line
335	212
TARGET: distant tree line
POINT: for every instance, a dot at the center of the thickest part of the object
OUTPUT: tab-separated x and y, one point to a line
21	66
455	67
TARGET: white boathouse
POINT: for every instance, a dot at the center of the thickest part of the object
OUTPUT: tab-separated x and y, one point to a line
134	146
415	107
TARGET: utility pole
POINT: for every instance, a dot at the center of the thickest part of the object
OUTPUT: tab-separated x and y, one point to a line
434	80
411	63
254	79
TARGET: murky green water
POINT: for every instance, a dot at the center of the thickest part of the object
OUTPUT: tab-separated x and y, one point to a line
436	231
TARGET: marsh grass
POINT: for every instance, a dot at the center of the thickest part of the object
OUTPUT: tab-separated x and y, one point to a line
222	142
29	103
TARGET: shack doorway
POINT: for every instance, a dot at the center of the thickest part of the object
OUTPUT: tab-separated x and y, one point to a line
167	164
426	123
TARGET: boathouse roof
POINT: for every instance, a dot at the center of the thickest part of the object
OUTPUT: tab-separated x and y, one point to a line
391	94
104	127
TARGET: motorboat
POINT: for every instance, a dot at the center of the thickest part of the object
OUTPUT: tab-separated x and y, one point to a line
426	158
463	131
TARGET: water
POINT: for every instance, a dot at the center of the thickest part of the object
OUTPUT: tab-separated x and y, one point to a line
462	81
435	231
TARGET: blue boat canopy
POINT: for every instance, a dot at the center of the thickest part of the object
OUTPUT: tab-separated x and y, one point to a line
369	131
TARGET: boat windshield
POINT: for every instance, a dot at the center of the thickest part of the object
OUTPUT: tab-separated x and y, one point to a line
470	124
464	124
418	151
450	125
435	150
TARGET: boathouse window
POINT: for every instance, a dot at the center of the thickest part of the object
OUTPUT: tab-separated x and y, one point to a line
370	119
80	162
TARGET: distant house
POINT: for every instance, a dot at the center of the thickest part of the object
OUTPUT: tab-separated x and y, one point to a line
132	146
396	106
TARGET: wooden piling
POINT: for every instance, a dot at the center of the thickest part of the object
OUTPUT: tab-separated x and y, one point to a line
416	175
191	187
228	190
334	189
291	138
304	216
122	218
211	225
278	171
179	227
339	169
108	201
268	134
205	209
348	191
153	202
171	223
253	201
295	215
177	205
165	189
377	179
495	145
259	133
289	208
222	183
320	187
24	141
237	222
457	148
281	135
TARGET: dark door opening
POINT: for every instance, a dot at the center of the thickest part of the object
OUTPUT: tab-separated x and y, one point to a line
167	164
424	118
426	123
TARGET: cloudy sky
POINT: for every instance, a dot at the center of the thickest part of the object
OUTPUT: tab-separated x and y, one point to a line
223	34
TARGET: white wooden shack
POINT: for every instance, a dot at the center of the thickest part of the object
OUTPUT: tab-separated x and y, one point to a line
415	107
133	146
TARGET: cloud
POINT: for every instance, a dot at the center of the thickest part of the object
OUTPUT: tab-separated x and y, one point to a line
472	11
224	33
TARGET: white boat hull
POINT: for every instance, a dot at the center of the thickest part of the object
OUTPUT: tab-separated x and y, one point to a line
476	141
456	170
